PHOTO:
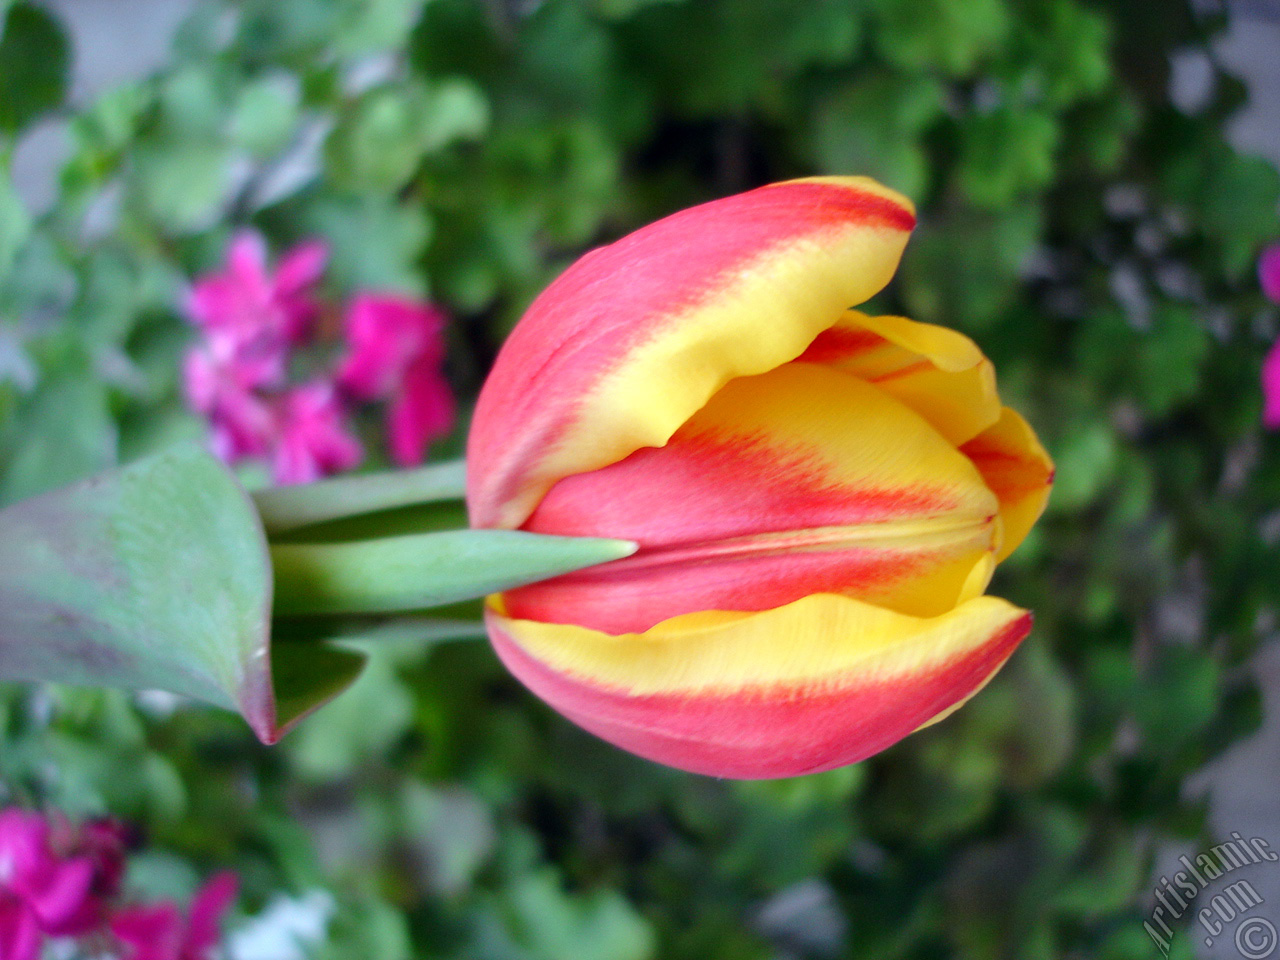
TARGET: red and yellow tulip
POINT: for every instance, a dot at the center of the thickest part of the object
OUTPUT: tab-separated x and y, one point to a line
819	497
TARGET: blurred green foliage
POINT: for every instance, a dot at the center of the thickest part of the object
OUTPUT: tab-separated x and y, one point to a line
1097	242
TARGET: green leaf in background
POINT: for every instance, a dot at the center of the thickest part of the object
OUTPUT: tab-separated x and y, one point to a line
1006	153
1232	196
1064	49
15	223
874	126
66	433
1086	460
536	920
191	103
622	9
154	576
35	58
953	35
381	141
376	242
265	116
369	26
963	268
1169	357
183	185
375	711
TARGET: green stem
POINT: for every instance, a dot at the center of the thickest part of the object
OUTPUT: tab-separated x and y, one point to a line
287	508
424	570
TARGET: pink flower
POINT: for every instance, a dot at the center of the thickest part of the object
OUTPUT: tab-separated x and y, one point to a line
102	843
385	335
1271	388
237	375
396	351
314	435
241	422
39	894
160	932
421	411
250	320
246	299
1269	272
1269	278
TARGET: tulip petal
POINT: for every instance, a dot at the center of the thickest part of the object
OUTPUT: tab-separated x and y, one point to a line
1019	472
797	481
938	372
633	338
819	683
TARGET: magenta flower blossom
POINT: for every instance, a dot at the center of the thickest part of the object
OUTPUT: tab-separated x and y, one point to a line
246	299
241	422
1271	388
39	894
1269	278
1269	272
421	411
63	881
395	352
160	931
252	320
102	843
314	436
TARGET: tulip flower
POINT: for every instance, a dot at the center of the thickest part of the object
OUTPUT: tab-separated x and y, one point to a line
819	496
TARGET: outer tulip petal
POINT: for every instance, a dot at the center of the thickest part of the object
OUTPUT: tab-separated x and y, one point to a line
633	338
938	372
798	481
1019	472
817	684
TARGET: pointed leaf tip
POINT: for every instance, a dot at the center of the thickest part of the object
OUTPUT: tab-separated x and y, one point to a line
425	570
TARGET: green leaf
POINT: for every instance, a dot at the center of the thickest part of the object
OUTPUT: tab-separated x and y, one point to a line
873	127
1169	358
156	575
380	143
15	224
376	242
375	712
183	184
35	57
1006	153
963	270
622	9
948	35
192	104
1232	198
539	921
66	432
368	26
265	116
1086	460
425	570
286	508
